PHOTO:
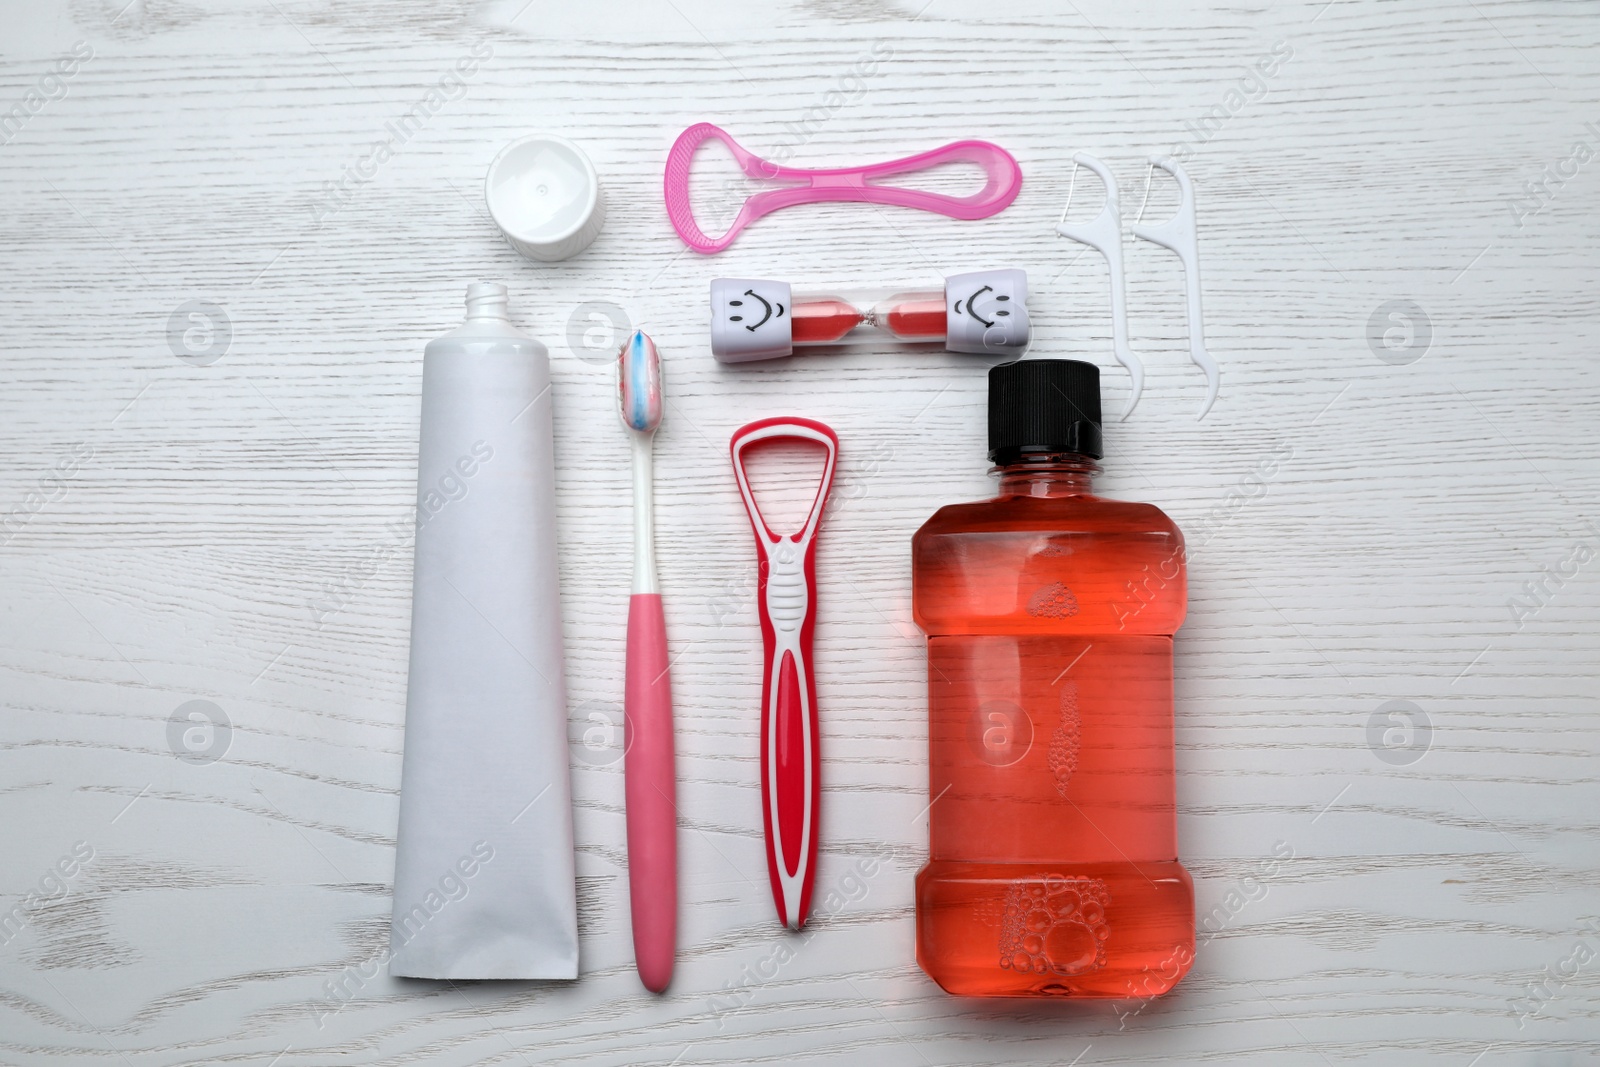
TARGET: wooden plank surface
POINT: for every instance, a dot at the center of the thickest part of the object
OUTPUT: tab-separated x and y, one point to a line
227	532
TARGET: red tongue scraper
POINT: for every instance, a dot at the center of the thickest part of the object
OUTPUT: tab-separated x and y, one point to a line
790	779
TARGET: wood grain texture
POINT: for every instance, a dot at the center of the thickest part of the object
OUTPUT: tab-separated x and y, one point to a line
228	532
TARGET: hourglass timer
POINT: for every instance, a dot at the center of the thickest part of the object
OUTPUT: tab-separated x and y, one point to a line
980	312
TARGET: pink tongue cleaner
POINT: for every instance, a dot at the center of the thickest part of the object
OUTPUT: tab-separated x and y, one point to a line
1003	179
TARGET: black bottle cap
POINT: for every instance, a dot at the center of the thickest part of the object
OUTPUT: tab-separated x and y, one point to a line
1043	405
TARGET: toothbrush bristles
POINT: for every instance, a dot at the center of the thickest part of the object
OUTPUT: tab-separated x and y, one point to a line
639	383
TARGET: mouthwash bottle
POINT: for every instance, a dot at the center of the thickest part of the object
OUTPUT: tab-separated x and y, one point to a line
1053	859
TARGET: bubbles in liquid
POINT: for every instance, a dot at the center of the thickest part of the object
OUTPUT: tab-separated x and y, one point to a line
1055	925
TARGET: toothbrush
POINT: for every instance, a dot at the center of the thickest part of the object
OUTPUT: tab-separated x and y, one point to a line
651	789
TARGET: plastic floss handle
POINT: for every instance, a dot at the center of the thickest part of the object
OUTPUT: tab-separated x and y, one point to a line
1003	180
1178	234
1104	235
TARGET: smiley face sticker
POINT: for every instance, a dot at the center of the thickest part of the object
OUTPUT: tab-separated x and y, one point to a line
750	319
770	309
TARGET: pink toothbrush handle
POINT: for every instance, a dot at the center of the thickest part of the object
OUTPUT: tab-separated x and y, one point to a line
1003	179
651	794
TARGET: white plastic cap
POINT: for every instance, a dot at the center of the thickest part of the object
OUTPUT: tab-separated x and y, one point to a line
750	319
986	312
544	195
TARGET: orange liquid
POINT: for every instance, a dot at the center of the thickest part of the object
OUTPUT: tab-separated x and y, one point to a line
919	320
820	322
1053	867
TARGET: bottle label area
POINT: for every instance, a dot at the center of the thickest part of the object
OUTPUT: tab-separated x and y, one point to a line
1051	748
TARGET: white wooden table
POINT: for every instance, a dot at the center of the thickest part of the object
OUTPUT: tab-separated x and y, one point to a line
230	526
